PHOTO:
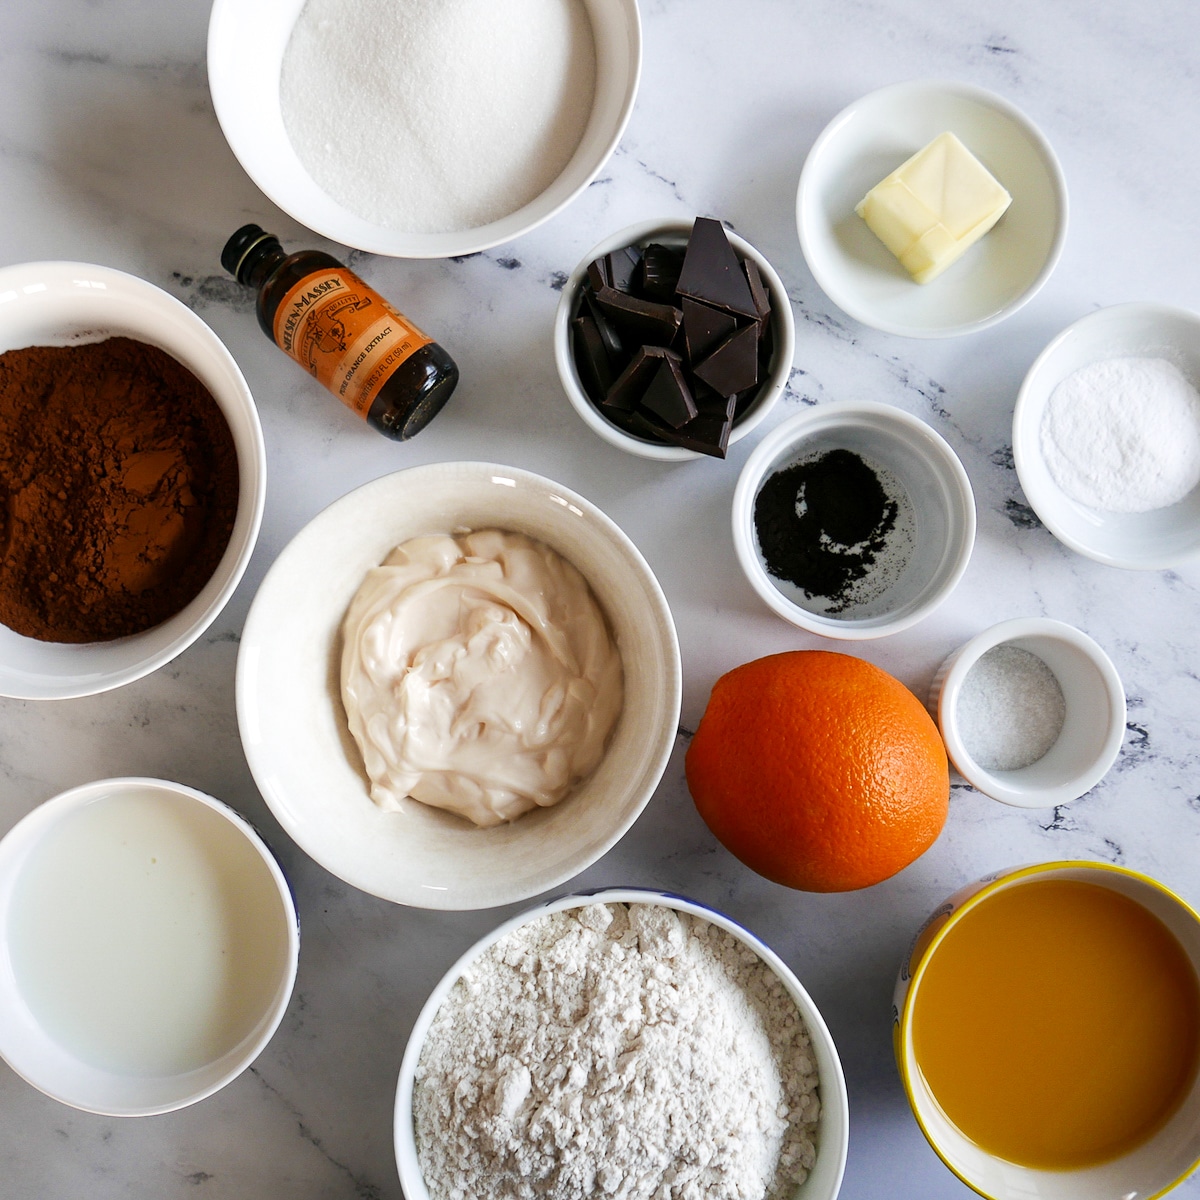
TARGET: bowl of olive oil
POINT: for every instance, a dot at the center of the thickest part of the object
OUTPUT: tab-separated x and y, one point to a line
1047	1030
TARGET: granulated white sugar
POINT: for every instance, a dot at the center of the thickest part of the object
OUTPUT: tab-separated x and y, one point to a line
431	116
630	1052
1123	435
1010	710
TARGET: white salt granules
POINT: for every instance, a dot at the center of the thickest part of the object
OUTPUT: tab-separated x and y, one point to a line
430	116
1123	435
1010	710
611	1051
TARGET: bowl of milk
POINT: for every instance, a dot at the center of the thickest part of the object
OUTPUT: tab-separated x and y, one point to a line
148	946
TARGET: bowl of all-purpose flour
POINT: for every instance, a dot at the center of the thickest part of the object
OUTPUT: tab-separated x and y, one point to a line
423	128
1106	436
626	1043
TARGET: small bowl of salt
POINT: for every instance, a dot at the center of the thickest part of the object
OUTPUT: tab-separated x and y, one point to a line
1106	436
1032	712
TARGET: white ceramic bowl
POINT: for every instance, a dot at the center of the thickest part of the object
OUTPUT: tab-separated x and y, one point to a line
65	303
246	44
1093	728
932	479
871	138
75	1079
833	1130
1148	541
294	727
1149	1169
672	233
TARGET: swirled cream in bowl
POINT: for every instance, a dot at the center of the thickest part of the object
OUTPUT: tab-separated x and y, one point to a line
458	686
478	675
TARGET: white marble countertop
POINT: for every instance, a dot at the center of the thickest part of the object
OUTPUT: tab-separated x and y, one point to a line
110	153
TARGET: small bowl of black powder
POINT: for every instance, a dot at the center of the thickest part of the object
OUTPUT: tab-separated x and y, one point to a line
853	520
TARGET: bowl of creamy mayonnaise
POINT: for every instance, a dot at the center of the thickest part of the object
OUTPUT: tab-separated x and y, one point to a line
458	686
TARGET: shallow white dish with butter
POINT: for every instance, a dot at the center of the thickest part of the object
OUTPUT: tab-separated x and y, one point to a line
866	142
294	727
148	946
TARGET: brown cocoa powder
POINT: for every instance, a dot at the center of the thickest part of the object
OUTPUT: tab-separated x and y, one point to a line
118	489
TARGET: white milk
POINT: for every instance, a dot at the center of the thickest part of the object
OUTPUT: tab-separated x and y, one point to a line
146	934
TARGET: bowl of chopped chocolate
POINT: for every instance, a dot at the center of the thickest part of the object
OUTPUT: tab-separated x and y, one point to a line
674	339
853	520
132	478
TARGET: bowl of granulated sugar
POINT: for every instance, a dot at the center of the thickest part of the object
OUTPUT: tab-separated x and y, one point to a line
624	1042
1106	436
422	129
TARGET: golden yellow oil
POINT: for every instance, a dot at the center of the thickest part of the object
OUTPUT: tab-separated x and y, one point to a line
1057	1024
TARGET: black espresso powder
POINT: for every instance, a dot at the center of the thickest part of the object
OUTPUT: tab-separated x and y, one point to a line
822	523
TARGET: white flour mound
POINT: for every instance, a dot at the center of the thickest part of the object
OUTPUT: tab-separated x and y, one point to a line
611	1051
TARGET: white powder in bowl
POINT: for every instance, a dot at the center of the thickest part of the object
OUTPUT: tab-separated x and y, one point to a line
1010	710
432	116
1123	435
618	1051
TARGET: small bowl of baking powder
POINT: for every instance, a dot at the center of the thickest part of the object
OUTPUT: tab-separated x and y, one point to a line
682	1051
1106	436
1032	712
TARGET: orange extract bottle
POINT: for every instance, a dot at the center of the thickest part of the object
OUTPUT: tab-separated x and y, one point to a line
344	333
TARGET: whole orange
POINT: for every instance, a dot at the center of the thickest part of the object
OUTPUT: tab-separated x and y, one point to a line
819	770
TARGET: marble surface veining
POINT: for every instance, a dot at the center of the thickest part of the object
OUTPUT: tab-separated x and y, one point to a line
110	153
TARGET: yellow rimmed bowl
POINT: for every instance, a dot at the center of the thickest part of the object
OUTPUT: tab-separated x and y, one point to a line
1152	1167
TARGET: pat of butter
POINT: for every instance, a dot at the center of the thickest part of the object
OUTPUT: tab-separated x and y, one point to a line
933	207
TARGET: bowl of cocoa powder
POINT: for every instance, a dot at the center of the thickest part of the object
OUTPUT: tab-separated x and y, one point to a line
132	477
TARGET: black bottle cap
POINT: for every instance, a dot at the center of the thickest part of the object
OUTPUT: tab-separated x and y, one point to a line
237	249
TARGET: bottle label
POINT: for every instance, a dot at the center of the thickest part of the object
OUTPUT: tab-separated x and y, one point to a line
346	334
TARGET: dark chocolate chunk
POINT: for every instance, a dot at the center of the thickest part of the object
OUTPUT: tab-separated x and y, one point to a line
646	321
622	264
640	424
591	358
733	365
608	332
704	328
630	386
758	290
742	401
712	271
668	396
712	403
597	273
659	276
707	434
